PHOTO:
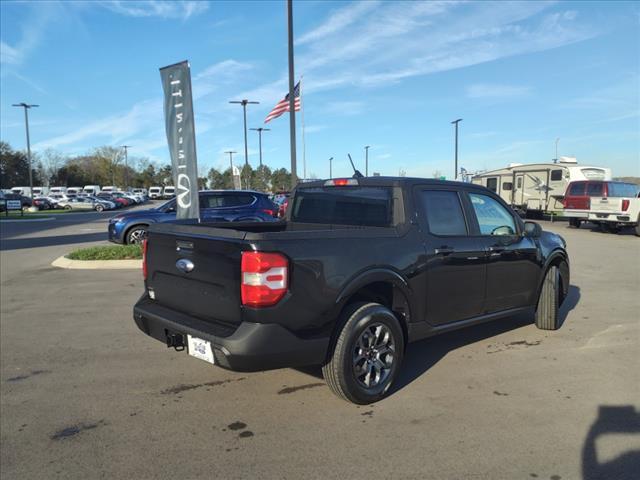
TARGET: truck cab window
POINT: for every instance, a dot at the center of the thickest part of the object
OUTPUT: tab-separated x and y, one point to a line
493	218
444	213
594	189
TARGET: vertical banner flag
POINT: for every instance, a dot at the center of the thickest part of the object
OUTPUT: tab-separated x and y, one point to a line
179	123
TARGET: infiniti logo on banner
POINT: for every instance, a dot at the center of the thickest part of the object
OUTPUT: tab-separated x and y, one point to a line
184	191
179	124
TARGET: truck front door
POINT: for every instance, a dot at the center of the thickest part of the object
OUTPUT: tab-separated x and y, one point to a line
455	267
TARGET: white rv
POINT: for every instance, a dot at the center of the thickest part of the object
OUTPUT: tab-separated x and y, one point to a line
20	191
169	191
91	189
538	187
155	192
74	190
57	190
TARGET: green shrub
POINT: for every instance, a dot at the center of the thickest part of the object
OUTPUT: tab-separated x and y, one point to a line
108	252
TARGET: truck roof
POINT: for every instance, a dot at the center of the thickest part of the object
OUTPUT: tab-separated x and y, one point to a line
403	182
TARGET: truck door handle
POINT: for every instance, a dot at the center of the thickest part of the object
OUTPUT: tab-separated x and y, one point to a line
444	251
496	251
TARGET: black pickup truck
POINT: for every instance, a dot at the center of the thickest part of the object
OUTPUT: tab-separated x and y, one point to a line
358	268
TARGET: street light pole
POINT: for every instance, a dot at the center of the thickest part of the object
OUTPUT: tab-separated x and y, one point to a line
557	140
260	130
455	122
244	104
330	172
126	166
231	152
366	161
26	107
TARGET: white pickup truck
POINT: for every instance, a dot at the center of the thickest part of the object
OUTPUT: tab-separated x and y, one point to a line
613	213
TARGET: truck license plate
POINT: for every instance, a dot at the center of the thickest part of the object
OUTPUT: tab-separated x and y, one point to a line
200	349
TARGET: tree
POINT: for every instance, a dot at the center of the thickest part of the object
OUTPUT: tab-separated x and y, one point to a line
50	161
261	179
280	180
216	179
14	168
112	156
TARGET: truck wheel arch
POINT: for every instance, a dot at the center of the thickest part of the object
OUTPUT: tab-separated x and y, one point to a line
379	285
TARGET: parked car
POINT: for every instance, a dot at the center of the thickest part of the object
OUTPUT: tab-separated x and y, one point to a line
608	203
359	268
118	200
108	204
218	206
80	203
43	203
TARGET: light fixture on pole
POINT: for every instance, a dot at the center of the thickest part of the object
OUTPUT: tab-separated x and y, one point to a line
244	104
455	122
126	166
366	161
330	172
26	107
260	130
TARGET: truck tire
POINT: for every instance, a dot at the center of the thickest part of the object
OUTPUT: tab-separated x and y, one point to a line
637	228
367	354
574	222
547	317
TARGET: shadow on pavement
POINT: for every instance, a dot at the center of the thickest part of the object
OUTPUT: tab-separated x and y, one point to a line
420	356
617	420
35	242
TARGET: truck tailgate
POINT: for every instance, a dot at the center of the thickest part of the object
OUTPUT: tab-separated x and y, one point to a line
606	204
211	290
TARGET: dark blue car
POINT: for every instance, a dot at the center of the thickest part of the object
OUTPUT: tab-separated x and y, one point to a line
215	206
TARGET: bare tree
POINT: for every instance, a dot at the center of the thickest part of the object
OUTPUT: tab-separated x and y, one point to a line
49	162
113	156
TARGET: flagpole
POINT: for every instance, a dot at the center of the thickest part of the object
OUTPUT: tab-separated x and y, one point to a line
304	146
292	99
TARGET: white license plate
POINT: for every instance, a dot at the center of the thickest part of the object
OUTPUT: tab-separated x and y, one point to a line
200	349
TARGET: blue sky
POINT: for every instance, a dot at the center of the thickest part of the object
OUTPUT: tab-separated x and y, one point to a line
389	75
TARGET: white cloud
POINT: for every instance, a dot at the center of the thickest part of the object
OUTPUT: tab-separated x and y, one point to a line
338	20
487	90
32	31
157	8
9	54
399	40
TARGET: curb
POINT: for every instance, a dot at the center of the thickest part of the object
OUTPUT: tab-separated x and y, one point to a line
64	262
29	220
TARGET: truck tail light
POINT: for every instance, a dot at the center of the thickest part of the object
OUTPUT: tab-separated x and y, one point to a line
144	258
265	278
625	205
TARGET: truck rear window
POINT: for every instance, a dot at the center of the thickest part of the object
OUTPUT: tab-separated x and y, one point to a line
622	189
363	206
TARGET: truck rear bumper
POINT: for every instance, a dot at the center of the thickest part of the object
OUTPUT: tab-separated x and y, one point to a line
250	347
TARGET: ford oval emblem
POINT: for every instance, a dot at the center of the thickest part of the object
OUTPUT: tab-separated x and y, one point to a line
185	265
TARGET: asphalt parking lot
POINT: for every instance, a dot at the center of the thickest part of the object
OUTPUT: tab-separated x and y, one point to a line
84	394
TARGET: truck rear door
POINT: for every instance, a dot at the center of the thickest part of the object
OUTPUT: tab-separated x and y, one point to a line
195	274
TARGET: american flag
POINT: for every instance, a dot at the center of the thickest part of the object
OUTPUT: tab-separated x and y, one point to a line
283	105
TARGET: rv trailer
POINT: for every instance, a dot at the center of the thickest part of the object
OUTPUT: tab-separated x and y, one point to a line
539	187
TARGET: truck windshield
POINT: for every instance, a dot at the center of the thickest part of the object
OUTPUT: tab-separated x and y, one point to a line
363	206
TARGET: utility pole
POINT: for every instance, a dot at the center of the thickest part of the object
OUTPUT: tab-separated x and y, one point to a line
26	107
455	122
260	130
126	166
557	159
292	100
330	172
244	104
366	161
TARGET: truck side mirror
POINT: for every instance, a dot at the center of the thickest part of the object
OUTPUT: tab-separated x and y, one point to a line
532	229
